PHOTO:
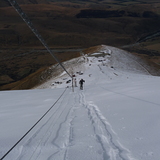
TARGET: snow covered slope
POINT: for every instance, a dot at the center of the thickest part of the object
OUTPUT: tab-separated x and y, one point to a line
115	117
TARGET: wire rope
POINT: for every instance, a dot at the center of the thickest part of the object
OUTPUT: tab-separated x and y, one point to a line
35	31
32	127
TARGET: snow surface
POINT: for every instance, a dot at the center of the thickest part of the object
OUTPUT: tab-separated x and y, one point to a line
115	117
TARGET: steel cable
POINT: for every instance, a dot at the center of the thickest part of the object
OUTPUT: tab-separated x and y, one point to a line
31	127
34	30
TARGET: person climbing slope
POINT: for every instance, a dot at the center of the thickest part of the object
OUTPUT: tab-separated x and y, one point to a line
81	83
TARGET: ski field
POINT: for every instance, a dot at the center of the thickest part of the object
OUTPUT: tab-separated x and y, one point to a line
115	117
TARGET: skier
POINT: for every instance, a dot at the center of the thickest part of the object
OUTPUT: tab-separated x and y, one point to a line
81	83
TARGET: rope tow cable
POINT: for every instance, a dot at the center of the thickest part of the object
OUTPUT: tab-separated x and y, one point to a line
34	30
32	127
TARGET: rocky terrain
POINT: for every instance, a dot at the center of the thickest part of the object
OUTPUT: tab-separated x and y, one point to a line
66	24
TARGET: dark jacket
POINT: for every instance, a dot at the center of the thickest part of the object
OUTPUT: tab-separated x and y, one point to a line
81	81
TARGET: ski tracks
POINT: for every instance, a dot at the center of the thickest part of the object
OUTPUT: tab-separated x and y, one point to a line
103	132
76	129
53	136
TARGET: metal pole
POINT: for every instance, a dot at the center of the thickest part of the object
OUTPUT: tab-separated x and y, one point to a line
72	84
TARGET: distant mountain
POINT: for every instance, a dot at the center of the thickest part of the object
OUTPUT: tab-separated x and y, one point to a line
74	24
32	1
4	3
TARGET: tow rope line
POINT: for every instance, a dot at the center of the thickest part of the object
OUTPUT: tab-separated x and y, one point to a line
32	127
35	31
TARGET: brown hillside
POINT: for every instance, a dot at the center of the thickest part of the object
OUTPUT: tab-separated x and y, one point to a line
77	24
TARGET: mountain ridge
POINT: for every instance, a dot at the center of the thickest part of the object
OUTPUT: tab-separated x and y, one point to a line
59	25
118	58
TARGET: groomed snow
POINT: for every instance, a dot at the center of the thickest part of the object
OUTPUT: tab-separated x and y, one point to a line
115	117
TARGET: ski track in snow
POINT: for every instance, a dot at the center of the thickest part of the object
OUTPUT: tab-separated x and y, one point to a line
62	149
104	133
33	147
62	134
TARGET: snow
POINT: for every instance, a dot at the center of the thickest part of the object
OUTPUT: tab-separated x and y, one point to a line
115	117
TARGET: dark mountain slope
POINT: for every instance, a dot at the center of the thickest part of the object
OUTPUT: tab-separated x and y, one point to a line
73	24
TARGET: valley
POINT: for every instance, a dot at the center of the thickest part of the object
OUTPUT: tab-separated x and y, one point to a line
73	25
